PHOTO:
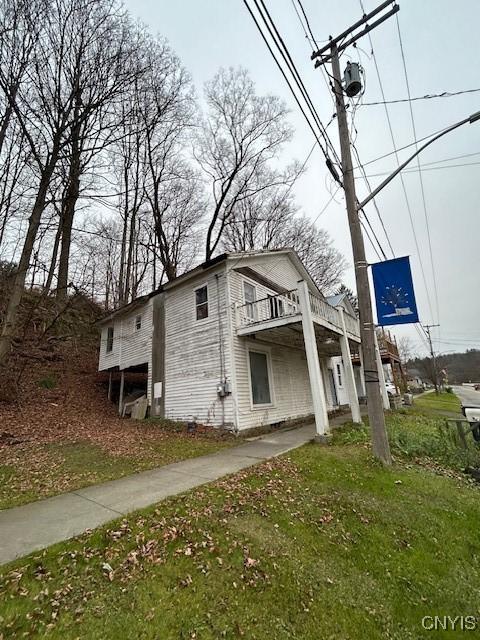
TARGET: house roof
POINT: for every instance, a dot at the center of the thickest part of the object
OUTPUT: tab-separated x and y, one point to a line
204	266
337	299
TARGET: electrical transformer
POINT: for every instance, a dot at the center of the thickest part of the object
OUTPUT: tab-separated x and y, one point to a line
352	79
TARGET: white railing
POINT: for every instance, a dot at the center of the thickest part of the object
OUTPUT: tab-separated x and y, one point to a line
269	308
352	325
325	311
287	304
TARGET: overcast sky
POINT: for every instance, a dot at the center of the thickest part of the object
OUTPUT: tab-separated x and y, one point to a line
442	54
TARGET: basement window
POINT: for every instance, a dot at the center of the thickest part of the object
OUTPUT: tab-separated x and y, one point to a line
201	303
138	323
259	378
109	346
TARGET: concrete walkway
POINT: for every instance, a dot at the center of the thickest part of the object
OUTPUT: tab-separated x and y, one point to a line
39	524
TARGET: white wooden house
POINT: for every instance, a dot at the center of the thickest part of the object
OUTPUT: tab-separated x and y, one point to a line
241	341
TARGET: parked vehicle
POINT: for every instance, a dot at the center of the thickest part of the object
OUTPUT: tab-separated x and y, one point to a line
391	389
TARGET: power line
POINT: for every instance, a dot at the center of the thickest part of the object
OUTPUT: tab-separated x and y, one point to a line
364	175
284	52
407	146
310	40
444	94
259	28
424	167
308	27
427	223
392	136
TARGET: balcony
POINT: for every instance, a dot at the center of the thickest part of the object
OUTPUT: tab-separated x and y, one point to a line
387	345
280	310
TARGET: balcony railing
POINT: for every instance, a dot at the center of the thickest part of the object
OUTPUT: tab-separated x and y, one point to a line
387	344
324	311
287	305
269	308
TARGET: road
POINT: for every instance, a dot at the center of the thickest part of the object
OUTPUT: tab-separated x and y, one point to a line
468	396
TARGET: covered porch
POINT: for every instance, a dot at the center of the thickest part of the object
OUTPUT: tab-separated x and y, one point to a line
301	320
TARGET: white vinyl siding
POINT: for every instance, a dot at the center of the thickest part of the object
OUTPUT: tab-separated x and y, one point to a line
131	346
193	351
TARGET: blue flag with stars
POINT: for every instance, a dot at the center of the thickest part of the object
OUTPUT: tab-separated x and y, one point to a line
394	294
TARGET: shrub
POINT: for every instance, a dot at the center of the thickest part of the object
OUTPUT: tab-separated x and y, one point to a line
49	382
416	436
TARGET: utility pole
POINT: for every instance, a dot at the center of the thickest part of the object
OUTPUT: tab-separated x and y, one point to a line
330	52
427	328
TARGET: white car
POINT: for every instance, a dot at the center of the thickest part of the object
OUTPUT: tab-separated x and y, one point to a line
391	389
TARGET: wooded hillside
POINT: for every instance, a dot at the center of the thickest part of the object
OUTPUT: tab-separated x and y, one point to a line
460	367
113	178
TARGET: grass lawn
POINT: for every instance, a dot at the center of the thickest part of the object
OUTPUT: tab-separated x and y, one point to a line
322	543
441	402
32	471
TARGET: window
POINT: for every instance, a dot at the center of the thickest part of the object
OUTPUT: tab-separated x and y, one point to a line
201	303
138	323
259	378
109	346
250	296
339	375
276	306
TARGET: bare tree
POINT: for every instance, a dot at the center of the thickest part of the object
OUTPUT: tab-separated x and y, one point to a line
60	90
173	192
405	348
259	222
102	64
314	246
242	134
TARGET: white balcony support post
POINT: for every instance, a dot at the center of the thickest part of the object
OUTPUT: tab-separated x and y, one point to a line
362	373
314	373
120	398
349	374
381	375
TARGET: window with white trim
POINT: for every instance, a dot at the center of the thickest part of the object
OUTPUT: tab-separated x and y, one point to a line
339	375
109	345
201	302
138	323
260	378
250	296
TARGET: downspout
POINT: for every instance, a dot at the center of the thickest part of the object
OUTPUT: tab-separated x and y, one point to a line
231	329
221	349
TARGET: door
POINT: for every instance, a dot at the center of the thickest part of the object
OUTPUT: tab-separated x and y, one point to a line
333	388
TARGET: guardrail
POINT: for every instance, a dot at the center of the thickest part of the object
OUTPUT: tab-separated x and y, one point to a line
286	305
268	308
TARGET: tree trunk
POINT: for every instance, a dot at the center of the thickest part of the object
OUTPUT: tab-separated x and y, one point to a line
18	288
53	262
67	215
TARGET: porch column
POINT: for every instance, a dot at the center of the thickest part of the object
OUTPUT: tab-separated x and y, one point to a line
314	373
109	396
362	373
349	374
120	399
381	375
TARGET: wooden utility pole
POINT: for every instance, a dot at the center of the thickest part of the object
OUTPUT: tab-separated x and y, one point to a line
381	448
427	328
